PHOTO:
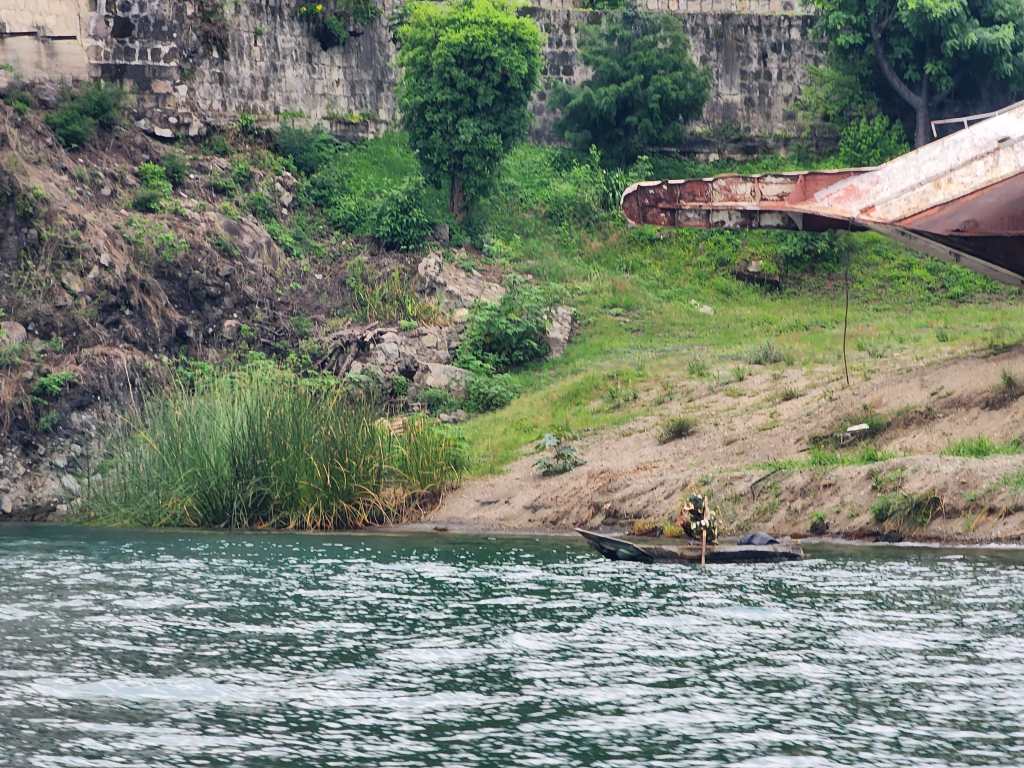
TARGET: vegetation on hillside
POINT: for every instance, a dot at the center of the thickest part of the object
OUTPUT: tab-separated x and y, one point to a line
260	447
928	53
469	68
643	88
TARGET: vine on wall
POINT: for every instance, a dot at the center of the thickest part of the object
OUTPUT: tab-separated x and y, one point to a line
333	22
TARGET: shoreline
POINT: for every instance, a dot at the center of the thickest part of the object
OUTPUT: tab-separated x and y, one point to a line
478	531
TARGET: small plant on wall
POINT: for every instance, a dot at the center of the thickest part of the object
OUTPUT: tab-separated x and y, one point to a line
333	22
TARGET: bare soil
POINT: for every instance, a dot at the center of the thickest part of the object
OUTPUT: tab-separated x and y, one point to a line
630	476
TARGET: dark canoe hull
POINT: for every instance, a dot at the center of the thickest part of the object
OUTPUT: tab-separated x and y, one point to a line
660	551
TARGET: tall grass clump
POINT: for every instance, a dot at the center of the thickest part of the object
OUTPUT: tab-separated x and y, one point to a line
981	447
261	448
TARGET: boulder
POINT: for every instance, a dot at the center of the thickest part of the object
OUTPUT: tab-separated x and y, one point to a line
71	485
72	282
12	334
6	506
455	287
230	330
441	376
561	326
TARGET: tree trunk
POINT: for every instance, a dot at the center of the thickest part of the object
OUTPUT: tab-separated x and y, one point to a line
457	198
923	127
917	101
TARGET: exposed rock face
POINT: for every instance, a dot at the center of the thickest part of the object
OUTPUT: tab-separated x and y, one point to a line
561	327
456	288
447	377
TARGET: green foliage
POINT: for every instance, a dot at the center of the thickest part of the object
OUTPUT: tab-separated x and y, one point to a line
676	428
310	150
767	354
260	206
49	386
150	240
241	174
437	400
930	51
264	448
12	355
400	221
489	392
819	523
643	89
871	142
247	125
385	298
217	144
222	184
175	169
906	510
469	69
96	106
329	20
981	447
562	456
503	336
155	190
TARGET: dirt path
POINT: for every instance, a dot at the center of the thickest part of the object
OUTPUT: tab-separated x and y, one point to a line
629	476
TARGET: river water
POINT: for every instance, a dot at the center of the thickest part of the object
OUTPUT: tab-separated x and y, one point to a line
171	649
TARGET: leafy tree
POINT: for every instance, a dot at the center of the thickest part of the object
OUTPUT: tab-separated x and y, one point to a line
930	52
470	67
643	89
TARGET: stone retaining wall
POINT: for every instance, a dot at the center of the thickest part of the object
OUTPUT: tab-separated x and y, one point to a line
188	72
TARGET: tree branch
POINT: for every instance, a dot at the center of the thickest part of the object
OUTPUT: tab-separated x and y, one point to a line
890	74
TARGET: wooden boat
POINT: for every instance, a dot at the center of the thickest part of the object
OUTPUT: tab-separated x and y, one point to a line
651	550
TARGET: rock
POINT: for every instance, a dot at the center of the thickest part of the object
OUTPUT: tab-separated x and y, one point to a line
441	376
231	329
47	93
106	191
561	326
70	484
60	461
460	315
442	233
161	86
6	506
704	309
12	334
5	82
72	282
456	287
105	261
62	298
286	199
455	417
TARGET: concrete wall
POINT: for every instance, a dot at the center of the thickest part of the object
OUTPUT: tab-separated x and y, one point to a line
188	73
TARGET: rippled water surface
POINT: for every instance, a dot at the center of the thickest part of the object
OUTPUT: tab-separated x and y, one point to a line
170	649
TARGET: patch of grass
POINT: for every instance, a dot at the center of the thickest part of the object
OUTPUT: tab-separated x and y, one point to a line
981	447
906	510
889	481
789	393
767	354
49	386
676	428
386	298
823	458
698	369
1005	392
96	106
261	448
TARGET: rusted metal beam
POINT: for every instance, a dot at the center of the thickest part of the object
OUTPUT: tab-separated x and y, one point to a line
960	199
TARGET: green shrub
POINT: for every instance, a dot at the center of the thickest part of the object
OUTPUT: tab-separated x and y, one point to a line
310	150
385	298
217	144
506	335
222	184
52	384
767	354
437	400
676	428
400	221
871	141
562	456
155	191
260	206
97	106
489	392
263	448
981	447
906	509
175	169
241	174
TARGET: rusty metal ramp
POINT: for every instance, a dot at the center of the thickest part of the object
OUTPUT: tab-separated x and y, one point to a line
959	199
